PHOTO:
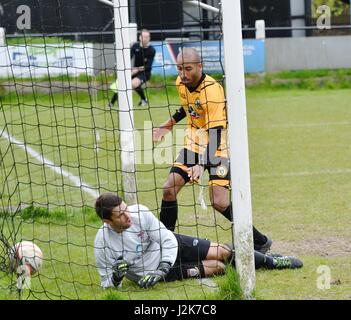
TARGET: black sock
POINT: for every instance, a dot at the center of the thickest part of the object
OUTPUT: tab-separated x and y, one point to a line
261	261
114	98
228	213
141	93
258	237
169	214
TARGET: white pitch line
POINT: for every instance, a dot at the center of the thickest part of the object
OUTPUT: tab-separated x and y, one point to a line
302	173
97	140
40	158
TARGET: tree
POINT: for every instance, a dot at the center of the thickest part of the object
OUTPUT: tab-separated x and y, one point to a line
337	7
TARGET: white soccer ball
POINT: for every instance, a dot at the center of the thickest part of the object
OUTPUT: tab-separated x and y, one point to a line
27	254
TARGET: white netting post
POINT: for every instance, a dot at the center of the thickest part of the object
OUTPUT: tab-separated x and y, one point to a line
238	139
125	99
133	33
260	26
2	37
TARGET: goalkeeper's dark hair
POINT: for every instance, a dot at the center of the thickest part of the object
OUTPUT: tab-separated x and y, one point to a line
105	203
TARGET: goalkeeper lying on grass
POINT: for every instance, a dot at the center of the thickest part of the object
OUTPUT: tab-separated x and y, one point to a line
134	243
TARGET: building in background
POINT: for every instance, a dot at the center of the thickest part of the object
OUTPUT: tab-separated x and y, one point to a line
93	20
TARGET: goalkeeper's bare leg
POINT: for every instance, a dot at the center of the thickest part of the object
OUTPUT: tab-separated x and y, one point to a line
273	261
218	255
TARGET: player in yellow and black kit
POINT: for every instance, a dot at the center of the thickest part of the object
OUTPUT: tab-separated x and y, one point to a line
205	146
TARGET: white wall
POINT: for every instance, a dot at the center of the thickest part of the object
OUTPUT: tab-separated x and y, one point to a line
308	53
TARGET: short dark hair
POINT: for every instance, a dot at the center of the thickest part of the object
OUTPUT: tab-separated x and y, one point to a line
144	30
105	203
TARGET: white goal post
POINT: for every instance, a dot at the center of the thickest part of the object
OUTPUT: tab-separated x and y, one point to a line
125	99
238	141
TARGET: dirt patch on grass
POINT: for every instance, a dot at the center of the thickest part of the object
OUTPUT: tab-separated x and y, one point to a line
325	247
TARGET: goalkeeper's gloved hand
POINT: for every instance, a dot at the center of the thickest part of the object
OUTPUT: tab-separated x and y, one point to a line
120	269
153	277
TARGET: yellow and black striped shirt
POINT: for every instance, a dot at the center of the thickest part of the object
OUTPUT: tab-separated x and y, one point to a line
205	108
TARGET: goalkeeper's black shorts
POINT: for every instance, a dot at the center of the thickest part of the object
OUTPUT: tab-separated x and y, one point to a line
191	252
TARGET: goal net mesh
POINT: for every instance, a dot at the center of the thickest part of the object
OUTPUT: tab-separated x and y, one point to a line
60	139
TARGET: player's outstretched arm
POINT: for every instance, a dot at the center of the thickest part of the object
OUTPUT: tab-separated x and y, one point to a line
159	133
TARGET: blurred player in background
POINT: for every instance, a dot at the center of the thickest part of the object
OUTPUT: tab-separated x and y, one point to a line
143	54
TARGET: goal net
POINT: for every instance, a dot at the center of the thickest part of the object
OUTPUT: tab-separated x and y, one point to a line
62	143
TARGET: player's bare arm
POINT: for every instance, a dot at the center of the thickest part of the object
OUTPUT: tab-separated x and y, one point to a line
159	133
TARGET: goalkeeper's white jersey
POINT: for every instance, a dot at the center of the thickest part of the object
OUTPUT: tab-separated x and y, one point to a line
143	245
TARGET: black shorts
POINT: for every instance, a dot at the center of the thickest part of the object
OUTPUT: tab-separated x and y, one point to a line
218	174
142	76
191	252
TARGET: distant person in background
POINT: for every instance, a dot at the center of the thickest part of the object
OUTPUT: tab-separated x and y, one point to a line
143	54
